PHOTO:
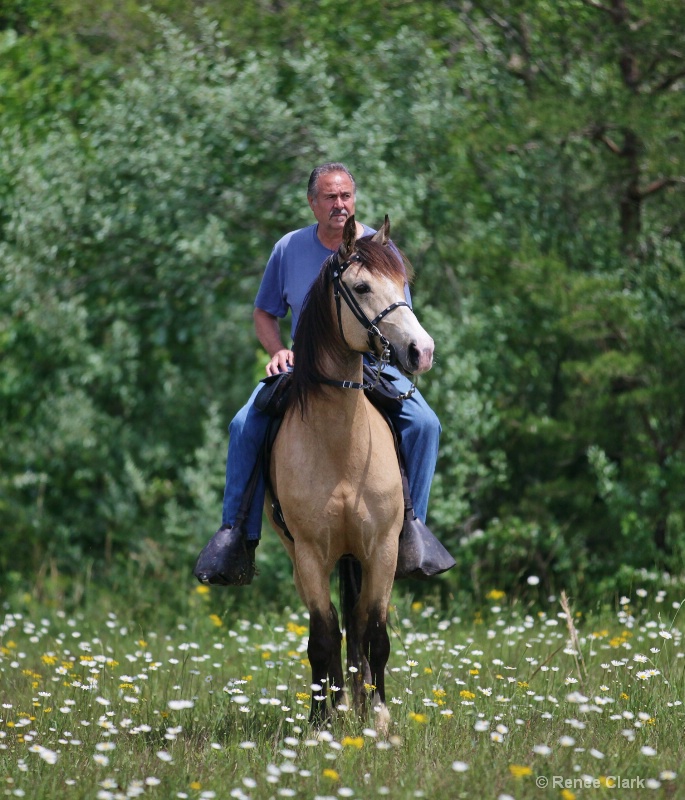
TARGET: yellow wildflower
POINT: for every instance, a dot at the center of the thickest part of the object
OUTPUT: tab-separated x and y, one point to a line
298	630
353	741
331	774
519	770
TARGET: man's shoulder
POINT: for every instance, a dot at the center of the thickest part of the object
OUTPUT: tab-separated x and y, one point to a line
296	238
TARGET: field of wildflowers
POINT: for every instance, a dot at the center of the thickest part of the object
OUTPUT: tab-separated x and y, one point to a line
510	700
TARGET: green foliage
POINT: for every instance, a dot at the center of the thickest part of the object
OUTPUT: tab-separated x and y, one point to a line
531	159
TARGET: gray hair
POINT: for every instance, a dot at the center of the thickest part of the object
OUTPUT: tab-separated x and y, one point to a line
324	169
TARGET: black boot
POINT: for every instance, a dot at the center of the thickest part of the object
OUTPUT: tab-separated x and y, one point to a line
227	559
420	554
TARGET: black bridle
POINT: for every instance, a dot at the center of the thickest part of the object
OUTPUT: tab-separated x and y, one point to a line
387	355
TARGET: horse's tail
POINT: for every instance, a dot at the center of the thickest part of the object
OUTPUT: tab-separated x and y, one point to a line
350	575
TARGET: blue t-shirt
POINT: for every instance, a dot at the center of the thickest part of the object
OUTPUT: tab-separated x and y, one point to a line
293	266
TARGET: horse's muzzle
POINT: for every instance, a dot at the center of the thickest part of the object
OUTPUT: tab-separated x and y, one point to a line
419	358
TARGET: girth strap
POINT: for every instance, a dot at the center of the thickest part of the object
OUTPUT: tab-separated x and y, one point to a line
265	465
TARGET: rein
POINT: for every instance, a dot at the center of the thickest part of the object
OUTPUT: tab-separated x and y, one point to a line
341	290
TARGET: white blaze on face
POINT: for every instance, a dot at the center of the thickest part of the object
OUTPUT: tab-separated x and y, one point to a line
414	347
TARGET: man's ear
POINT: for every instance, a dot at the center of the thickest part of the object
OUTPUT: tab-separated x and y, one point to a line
382	235
348	240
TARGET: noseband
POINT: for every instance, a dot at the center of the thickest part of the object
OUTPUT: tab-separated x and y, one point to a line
388	355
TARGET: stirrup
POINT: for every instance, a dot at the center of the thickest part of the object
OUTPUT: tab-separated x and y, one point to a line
420	554
227	559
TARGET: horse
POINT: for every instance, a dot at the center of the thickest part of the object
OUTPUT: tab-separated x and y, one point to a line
334	467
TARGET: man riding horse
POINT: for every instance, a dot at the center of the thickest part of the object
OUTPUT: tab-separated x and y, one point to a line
294	264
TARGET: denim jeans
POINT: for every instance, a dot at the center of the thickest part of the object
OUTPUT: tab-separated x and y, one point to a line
417	426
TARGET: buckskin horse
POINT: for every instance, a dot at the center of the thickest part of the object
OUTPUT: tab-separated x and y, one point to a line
334	465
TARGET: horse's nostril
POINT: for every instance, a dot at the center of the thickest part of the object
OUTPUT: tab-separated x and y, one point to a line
413	356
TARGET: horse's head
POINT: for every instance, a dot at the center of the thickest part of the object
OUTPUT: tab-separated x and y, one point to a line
369	278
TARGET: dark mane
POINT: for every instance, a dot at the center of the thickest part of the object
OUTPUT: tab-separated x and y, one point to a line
317	333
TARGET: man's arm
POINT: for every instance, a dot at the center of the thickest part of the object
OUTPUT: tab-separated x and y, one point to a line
269	334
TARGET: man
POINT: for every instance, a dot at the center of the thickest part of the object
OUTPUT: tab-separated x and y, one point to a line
292	267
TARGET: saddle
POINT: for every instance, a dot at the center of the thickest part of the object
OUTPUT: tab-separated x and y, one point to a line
274	394
420	554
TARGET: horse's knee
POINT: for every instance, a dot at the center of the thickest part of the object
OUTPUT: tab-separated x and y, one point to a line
379	648
324	641
377	641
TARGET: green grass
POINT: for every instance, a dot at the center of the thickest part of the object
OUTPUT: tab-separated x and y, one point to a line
485	702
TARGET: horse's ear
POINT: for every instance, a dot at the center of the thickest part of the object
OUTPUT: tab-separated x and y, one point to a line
349	238
382	235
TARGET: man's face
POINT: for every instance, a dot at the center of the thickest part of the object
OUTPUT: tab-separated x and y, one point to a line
333	202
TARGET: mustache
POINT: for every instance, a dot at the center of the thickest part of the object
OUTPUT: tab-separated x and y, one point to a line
337	211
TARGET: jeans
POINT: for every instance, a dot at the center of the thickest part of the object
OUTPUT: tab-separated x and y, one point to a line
416	424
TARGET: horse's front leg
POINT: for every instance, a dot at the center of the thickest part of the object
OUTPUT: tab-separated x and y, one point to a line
377	648
376	645
324	642
325	638
373	615
336	676
356	664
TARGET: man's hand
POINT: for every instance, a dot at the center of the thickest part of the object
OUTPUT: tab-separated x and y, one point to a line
280	362
268	333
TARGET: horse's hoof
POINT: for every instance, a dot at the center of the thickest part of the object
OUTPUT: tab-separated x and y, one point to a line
382	720
227	560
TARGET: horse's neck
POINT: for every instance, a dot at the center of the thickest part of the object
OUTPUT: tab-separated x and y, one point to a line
349	368
344	405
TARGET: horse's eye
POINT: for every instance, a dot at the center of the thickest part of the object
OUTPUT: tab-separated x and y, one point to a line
362	288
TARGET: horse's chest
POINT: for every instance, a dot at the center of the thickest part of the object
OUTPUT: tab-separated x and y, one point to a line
352	472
